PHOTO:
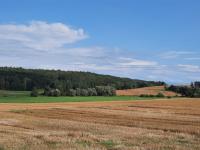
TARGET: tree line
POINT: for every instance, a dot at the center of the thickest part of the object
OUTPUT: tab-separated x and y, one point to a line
192	90
26	79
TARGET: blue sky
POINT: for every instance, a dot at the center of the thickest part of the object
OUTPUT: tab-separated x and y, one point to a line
151	40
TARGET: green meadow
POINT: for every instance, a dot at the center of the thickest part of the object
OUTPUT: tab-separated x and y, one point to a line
24	97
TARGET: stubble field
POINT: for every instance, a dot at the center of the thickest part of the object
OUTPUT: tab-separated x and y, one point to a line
153	90
115	125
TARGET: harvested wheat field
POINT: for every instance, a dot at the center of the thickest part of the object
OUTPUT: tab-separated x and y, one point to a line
122	125
154	90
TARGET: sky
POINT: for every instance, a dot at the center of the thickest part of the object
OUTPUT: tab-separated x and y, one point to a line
140	39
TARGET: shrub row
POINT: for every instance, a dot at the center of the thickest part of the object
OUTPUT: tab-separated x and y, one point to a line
147	95
52	92
82	92
98	91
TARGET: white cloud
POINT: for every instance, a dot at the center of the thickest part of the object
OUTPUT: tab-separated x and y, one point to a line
40	35
130	62
189	68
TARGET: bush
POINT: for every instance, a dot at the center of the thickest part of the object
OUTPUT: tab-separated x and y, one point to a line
34	92
84	92
144	95
197	93
47	91
105	91
147	95
78	92
151	95
100	91
92	92
55	92
160	95
72	92
141	95
52	92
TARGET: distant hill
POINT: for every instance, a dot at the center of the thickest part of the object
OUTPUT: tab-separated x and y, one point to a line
154	90
25	79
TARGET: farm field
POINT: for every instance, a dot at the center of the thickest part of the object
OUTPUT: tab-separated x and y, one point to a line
154	90
160	124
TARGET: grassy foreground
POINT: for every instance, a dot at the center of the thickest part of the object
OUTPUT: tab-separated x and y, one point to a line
4	93
24	97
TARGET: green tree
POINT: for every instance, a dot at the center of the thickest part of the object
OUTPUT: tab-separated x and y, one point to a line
72	92
34	92
160	95
84	92
105	91
92	92
197	93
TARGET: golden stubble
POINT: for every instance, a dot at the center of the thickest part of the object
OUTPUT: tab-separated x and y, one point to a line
123	125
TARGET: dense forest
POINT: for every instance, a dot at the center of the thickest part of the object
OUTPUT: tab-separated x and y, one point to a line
27	79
